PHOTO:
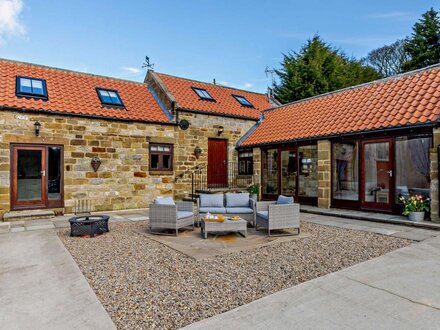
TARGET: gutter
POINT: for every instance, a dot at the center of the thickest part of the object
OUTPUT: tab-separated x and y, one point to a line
69	114
251	130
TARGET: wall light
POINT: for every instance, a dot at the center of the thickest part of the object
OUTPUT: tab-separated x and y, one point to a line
37	127
220	130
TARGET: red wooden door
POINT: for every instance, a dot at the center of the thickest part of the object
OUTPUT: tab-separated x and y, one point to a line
217	163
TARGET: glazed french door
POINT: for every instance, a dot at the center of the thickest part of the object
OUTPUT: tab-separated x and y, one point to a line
377	188
289	172
36	176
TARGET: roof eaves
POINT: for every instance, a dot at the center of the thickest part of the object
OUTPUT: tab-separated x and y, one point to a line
216	113
345	134
398	76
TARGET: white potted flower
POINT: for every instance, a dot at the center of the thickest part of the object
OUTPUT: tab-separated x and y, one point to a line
414	207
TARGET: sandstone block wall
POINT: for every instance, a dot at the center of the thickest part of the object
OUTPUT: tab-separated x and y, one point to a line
122	182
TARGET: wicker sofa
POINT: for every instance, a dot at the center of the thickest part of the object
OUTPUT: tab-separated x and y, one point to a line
167	214
227	204
281	214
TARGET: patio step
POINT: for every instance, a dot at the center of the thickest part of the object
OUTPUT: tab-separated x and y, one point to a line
28	215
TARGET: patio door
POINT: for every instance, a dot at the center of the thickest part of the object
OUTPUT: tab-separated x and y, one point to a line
36	176
377	191
289	172
217	163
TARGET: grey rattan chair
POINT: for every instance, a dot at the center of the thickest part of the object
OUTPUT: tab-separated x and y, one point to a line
171	217
273	216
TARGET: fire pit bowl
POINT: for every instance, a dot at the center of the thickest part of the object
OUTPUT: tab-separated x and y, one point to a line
89	225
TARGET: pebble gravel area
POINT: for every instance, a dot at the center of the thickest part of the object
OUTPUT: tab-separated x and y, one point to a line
143	284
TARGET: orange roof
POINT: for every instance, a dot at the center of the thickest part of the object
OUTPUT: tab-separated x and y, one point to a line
75	93
405	100
225	103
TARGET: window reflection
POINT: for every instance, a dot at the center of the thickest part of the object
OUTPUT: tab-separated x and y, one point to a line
345	171
270	172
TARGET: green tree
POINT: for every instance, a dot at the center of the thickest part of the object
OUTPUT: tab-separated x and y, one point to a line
316	69
423	46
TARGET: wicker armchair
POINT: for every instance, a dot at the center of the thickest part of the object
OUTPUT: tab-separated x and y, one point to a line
171	216
272	216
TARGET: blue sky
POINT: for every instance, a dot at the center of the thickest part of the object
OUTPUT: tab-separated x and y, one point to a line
231	41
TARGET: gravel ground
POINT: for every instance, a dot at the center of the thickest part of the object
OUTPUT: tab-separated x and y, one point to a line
143	284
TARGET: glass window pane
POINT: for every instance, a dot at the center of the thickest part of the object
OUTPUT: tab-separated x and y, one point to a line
54	173
114	97
29	181
37	87
288	173
105	96
308	171
166	149
270	172
412	167
154	159
345	171
153	148
376	169
166	162
25	85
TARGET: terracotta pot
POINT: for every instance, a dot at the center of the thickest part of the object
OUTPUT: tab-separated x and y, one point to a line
416	216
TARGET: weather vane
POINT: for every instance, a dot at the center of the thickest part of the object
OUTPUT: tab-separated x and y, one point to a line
147	63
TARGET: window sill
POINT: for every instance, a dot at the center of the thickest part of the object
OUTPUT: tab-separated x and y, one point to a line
161	172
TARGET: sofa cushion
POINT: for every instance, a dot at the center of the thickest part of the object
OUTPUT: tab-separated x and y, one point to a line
213	210
164	201
284	200
184	214
237	200
239	210
263	214
211	200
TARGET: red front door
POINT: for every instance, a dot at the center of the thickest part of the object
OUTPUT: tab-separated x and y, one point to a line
217	163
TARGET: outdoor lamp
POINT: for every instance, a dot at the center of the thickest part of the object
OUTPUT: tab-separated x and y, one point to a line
220	130
197	152
37	127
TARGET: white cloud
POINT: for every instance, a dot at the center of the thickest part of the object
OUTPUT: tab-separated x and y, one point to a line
10	24
131	70
392	14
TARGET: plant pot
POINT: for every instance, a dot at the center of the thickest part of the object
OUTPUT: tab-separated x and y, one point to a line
254	197
416	216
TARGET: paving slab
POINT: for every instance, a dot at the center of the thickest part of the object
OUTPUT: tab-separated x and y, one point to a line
41	287
399	290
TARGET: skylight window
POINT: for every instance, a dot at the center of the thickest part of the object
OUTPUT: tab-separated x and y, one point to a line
109	96
27	86
203	94
243	101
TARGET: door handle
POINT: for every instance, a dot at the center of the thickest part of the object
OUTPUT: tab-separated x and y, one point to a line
390	173
43	173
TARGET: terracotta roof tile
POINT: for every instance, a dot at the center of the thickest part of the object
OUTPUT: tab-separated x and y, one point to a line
226	104
75	93
407	99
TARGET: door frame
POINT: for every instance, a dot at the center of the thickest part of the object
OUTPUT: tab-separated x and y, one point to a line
212	185
382	207
45	202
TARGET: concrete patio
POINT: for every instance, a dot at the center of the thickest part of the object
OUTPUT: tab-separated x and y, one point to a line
399	290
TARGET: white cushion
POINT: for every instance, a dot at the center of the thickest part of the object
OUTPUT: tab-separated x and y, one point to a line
164	201
237	200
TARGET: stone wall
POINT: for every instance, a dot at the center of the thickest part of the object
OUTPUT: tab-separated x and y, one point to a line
324	174
434	177
203	127
122	182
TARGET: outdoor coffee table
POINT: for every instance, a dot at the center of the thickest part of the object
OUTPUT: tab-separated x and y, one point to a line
239	226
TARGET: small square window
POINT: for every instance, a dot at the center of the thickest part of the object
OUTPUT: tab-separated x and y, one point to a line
243	101
26	86
245	163
108	96
161	157
203	94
